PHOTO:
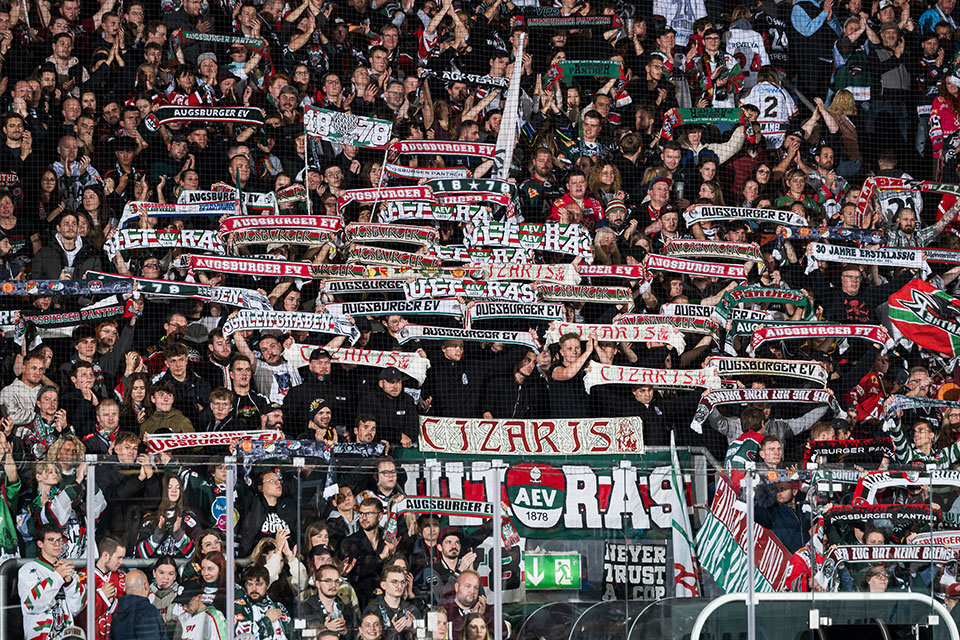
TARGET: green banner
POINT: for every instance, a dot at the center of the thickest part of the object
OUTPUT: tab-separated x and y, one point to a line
558	497
596	68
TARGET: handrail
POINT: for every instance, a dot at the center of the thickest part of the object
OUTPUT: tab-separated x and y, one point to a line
12	565
925	600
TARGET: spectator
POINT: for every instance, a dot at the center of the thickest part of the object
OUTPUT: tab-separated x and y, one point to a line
258	615
110	584
135	616
170	529
20	396
41	581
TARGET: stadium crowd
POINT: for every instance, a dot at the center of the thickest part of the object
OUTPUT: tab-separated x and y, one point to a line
633	147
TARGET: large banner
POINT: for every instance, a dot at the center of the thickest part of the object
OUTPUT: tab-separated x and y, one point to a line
558	497
634	570
595	436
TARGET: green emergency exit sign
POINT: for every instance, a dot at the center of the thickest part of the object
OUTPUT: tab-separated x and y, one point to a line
552	571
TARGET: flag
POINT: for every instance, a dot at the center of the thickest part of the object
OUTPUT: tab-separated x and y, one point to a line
722	546
927	316
684	556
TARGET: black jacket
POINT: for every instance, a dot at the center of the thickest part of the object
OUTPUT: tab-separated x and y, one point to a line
504	398
189	393
394	415
454	387
50	261
135	618
259	516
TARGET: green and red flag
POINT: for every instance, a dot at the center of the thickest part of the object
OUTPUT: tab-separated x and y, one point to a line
927	316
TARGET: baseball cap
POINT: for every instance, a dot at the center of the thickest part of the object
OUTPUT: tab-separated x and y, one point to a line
885	3
890	25
449	531
321	549
319	353
391	374
73	632
209	55
273	406
661	179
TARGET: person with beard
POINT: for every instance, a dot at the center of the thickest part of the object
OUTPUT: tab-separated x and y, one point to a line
266	513
316	384
353	470
666	227
272	417
467	599
320	423
258	616
248	405
824	181
326	610
273	376
386	491
395	612
10	266
49	424
16	153
368	548
616	219
906	234
539	189
216	363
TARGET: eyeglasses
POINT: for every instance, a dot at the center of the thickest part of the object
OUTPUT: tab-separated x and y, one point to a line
369	513
389	472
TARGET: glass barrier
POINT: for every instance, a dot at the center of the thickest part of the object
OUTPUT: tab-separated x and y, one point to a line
588	549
